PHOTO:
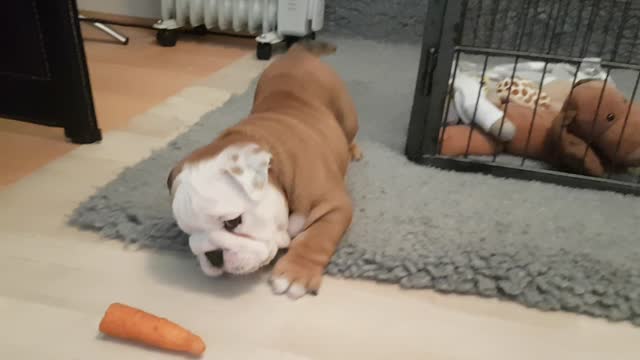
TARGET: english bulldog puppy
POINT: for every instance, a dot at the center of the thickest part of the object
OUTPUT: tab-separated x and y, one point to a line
276	179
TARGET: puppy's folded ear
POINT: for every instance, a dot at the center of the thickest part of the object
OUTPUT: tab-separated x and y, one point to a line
172	176
249	165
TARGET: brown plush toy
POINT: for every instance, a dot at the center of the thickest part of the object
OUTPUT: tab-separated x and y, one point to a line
568	139
614	132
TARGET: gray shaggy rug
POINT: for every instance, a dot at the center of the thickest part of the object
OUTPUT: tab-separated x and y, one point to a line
545	246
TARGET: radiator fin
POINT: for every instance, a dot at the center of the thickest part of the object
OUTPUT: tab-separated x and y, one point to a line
242	16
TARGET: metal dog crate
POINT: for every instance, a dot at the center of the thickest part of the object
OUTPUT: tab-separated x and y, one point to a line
551	31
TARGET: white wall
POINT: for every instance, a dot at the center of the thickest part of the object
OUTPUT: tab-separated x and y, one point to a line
139	8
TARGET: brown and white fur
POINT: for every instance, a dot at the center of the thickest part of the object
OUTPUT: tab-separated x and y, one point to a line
276	179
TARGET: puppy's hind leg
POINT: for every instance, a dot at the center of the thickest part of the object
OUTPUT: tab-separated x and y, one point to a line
348	119
356	152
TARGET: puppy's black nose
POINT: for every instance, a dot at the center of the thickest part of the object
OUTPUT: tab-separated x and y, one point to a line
215	257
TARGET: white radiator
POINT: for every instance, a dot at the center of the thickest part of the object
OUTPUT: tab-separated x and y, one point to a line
283	17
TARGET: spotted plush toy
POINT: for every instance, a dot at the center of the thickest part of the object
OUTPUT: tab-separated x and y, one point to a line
523	92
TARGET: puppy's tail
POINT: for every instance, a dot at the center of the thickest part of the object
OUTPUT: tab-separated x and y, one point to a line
315	47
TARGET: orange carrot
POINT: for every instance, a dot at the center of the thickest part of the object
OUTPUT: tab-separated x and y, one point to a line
128	323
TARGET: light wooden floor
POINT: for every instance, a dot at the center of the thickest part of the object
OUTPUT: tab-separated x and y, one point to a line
56	282
126	80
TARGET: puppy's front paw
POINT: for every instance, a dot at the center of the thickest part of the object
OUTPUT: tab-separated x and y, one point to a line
296	277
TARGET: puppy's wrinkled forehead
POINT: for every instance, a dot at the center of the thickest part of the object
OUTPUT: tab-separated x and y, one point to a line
248	165
229	182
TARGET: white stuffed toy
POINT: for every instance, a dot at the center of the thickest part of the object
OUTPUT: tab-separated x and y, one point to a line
496	88
470	104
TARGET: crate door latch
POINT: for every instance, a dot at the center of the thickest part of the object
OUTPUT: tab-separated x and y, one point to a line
430	67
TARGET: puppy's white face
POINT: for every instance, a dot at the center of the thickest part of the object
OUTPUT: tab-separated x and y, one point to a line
236	219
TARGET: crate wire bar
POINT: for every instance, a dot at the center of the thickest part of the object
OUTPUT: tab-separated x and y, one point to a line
515	32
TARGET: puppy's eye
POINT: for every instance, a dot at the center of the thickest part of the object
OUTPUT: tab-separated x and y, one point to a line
232	224
611	117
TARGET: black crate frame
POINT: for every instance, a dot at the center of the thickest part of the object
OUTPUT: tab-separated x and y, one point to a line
442	34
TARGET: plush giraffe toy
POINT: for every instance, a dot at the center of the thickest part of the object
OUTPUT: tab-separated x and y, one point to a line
523	92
